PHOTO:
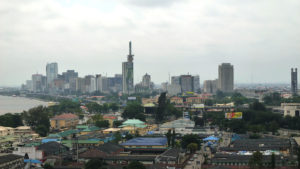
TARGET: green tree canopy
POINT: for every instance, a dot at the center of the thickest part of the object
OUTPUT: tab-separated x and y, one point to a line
192	147
102	124
255	162
135	165
11	120
133	110
190	138
160	112
38	119
95	164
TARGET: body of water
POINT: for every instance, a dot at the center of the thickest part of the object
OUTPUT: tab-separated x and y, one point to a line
10	104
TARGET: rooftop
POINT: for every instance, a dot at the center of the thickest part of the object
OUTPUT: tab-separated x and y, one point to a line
146	141
65	116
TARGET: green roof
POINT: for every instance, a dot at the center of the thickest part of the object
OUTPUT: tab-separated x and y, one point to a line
56	135
134	123
82	126
67	133
33	144
93	128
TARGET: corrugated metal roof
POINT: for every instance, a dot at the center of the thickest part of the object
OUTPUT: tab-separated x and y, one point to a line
146	141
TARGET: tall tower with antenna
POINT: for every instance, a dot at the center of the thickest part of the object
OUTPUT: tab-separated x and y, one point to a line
127	73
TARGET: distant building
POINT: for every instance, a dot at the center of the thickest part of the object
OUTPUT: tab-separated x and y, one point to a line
51	72
294	81
187	83
210	86
64	121
146	82
145	86
68	75
175	80
196	83
128	74
173	89
90	83
80	85
291	109
37	83
28	85
226	77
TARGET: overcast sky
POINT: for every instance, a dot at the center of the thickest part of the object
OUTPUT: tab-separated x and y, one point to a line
261	38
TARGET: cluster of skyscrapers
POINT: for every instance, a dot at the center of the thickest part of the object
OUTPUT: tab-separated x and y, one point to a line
70	82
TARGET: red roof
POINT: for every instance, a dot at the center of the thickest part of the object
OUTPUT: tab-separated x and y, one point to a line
110	117
65	116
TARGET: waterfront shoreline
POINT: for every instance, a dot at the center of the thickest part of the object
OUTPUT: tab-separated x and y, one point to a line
18	104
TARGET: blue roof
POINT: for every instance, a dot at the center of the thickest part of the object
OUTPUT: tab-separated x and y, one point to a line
211	138
32	161
46	140
146	141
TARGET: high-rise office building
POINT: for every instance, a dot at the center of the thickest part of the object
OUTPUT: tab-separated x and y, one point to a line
51	72
127	73
294	81
196	83
68	75
175	80
226	77
37	82
187	83
146	82
90	83
210	86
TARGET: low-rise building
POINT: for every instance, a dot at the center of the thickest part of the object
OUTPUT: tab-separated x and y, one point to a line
31	151
291	109
22	130
67	120
105	150
11	161
146	144
110	119
176	100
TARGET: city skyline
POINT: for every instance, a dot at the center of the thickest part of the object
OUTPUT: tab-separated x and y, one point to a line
170	37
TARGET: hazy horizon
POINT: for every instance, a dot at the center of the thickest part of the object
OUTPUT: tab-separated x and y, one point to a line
259	37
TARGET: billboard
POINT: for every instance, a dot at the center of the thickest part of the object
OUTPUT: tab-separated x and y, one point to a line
234	115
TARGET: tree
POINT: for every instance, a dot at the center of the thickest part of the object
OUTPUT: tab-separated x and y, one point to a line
192	147
173	138
160	112
258	106
94	164
94	107
298	157
190	138
11	120
273	161
42	130
169	135
48	166
255	162
114	107
95	118
117	137
132	110
38	119
135	165
102	124
117	123
198	121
